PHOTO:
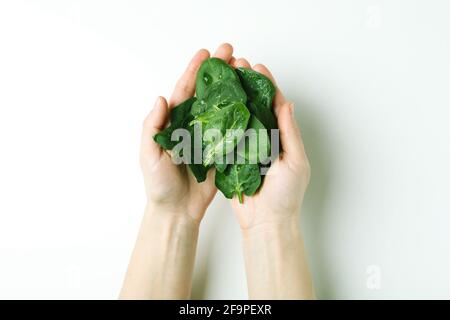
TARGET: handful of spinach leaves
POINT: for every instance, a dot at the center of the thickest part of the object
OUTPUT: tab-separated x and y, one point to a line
227	100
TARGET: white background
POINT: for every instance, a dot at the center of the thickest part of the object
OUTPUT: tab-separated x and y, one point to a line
371	82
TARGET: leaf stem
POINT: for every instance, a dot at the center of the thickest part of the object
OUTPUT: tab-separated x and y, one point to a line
239	193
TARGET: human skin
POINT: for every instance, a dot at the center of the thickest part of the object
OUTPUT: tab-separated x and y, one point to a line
162	261
275	258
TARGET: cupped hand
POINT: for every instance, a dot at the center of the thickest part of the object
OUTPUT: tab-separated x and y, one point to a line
281	194
172	188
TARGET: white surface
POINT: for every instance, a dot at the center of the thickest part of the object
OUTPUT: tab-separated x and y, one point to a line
371	83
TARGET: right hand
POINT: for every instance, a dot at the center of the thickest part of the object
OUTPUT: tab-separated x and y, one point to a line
172	188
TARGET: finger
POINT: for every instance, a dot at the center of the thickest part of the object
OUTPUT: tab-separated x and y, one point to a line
291	142
154	123
242	63
232	62
224	52
265	71
279	99
185	86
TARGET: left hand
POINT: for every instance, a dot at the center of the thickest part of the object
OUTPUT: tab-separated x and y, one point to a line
281	195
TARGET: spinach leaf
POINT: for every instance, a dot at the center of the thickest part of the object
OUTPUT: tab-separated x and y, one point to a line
255	143
229	124
221	167
265	115
227	101
204	117
218	95
239	179
180	116
211	71
198	107
260	90
260	93
198	169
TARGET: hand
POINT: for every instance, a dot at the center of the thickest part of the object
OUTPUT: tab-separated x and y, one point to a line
162	263
274	254
169	187
282	191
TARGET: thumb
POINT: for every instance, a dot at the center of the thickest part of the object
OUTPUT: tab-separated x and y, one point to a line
291	142
154	123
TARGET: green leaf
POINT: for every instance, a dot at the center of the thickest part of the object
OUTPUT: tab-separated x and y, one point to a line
180	116
264	115
239	179
260	93
260	90
229	123
220	94
255	143
228	101
211	71
198	107
198	169
221	167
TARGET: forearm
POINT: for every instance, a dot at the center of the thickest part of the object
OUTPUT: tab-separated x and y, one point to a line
162	262
275	261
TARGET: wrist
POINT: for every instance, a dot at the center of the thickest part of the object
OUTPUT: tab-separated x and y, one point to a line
275	261
285	228
170	215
